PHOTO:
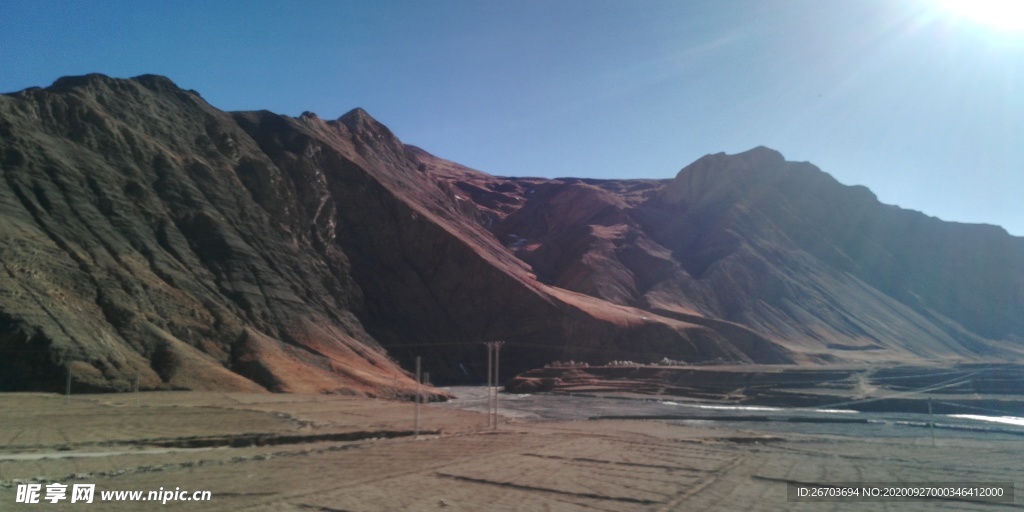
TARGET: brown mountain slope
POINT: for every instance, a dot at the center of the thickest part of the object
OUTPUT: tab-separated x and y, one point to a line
835	265
435	282
147	233
131	245
784	250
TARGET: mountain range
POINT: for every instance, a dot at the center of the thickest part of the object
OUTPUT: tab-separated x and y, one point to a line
148	237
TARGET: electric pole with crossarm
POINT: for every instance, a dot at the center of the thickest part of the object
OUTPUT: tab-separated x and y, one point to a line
493	348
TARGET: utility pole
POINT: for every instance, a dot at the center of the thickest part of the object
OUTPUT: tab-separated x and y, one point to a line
416	414
931	421
493	348
490	378
497	358
136	390
67	388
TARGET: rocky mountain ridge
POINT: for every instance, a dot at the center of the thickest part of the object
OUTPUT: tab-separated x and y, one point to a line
146	233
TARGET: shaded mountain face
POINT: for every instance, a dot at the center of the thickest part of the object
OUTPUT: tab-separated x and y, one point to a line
146	234
133	246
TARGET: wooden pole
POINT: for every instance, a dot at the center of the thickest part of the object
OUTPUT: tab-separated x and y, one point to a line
416	414
490	379
67	389
493	361
497	348
931	421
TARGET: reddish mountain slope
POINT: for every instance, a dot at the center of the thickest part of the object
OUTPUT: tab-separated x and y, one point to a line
784	250
132	246
147	233
827	263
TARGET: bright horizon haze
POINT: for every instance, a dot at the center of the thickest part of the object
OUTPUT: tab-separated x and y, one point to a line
920	101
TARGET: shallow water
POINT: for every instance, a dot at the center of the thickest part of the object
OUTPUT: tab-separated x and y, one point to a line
543	406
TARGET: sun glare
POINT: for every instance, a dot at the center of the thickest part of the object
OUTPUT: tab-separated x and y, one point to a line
1005	15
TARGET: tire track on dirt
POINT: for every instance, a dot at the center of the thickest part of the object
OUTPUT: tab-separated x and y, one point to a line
612	462
710	478
510	485
406	464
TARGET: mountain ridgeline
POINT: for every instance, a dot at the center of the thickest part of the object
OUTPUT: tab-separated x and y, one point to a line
147	235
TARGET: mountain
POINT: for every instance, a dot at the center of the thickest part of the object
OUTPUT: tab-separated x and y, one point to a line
146	233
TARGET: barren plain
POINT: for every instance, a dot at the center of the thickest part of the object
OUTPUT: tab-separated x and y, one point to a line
333	453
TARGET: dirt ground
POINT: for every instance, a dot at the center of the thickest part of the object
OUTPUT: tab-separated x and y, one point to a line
331	453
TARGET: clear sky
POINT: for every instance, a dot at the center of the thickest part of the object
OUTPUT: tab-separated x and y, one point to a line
920	101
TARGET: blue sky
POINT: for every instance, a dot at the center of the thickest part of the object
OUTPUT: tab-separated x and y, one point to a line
923	105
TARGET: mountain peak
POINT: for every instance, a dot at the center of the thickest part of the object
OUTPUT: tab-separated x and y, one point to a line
761	154
156	82
357	117
364	126
98	83
721	173
66	83
149	81
755	159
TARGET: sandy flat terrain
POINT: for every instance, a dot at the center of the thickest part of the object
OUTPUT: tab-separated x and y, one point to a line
329	453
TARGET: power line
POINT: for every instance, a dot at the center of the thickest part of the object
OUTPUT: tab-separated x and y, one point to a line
942	385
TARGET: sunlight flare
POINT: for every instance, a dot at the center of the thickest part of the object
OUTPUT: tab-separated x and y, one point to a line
1006	15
